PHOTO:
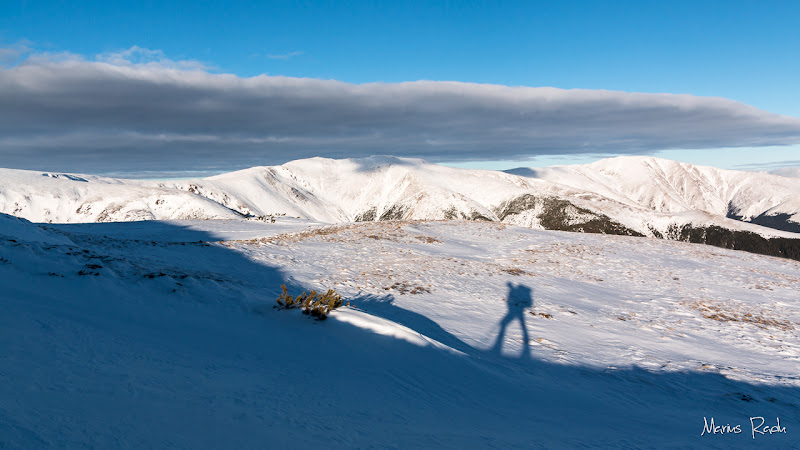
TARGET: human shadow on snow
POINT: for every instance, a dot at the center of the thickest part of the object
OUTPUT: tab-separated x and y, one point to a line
518	300
639	392
528	399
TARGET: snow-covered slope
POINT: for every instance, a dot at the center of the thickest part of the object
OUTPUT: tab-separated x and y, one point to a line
625	195
667	186
461	334
372	188
16	229
646	195
48	197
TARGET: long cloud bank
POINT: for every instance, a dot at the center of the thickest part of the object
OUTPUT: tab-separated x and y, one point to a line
111	115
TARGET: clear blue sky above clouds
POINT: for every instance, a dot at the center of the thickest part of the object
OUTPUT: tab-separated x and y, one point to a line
745	51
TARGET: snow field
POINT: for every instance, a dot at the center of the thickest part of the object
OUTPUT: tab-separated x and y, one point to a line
155	334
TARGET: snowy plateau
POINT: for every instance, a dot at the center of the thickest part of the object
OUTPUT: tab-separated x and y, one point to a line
562	307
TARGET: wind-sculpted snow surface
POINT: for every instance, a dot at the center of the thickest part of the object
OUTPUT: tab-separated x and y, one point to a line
627	195
461	334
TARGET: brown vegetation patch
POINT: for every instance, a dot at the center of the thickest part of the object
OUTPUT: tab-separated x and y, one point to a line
516	271
404	287
736	313
428	239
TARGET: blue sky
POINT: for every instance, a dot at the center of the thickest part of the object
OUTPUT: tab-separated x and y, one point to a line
739	50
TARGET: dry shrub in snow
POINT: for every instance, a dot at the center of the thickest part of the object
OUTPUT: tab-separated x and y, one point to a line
314	304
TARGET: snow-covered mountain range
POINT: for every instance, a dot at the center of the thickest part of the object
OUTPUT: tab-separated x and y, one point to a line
624	195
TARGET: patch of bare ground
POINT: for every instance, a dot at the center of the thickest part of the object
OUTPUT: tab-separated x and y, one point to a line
516	271
393	231
732	312
404	287
428	239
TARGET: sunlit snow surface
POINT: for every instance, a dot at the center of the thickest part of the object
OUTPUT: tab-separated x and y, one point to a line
156	334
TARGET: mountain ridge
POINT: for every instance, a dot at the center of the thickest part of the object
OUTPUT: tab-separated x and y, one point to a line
632	195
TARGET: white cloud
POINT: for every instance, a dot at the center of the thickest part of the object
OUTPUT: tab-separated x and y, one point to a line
285	56
138	56
139	107
12	54
792	172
